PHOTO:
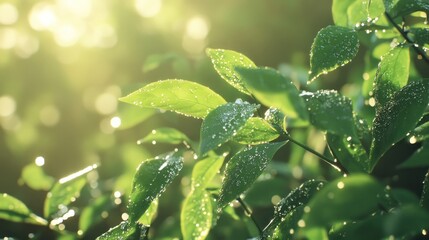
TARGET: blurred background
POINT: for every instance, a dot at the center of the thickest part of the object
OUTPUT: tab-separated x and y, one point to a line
64	64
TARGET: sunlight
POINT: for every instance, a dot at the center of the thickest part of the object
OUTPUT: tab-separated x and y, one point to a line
8	14
148	8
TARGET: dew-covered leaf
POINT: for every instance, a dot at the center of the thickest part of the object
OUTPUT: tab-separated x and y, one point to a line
398	117
392	74
420	133
92	214
244	168
349	152
420	157
165	135
296	198
64	192
270	187
348	198
150	181
223	123
225	62
420	36
204	171
197	215
12	209
35	178
147	217
333	47
184	97
286	229
404	7
126	230
339	7
131	115
274	90
424	199
256	131
365	11
331	112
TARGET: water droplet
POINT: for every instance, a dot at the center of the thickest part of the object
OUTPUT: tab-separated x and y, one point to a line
340	185
413	139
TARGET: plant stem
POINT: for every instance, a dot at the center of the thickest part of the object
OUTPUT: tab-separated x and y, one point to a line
248	212
331	162
418	50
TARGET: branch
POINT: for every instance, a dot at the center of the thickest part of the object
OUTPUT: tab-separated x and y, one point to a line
248	212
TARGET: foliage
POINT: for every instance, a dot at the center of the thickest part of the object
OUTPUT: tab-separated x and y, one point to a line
241	141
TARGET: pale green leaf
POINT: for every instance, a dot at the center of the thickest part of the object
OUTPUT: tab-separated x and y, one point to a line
164	135
12	209
184	97
256	131
131	115
223	123
196	215
150	214
333	47
339	7
35	178
205	170
225	62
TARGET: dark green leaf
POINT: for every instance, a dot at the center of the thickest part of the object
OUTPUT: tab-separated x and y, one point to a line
125	231
398	117
184	97
392	74
288	227
223	123
333	47
225	62
420	158
274	90
244	168
12	209
34	177
398	8
92	214
270	187
256	131
339	8
64	192
424	199
420	36
165	135
348	198
420	133
197	215
150	180
331	112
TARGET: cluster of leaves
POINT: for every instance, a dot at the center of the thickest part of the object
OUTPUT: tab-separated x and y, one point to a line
237	143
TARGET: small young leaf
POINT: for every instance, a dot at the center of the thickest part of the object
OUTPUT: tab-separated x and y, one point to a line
244	168
348	198
197	215
184	97
34	177
92	214
398	8
150	180
204	171
420	158
339	7
398	117
126	230
333	47
392	74
165	135
65	191
424	199
131	115
225	62
256	131
274	90
223	123
331	112
12	209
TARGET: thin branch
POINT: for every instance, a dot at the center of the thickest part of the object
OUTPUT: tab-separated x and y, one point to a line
248	212
418	50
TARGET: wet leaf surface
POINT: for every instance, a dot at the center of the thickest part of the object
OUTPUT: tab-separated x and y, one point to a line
256	131
14	210
164	135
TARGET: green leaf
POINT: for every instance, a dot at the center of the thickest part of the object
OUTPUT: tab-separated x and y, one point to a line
331	112
333	47
392	74
244	168
35	178
339	7
165	135
256	131
420	133
296	198
398	117
420	36
349	152
225	62
154	61
398	8
148	217
64	192
150	180
183	97
197	215
420	158
365	12
126	230
223	123
274	90
348	198
288	227
12	209
204	171
424	199
132	115
92	214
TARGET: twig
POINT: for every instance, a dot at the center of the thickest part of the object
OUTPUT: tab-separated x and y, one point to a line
248	212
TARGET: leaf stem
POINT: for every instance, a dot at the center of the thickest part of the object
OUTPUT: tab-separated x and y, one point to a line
248	212
418	50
